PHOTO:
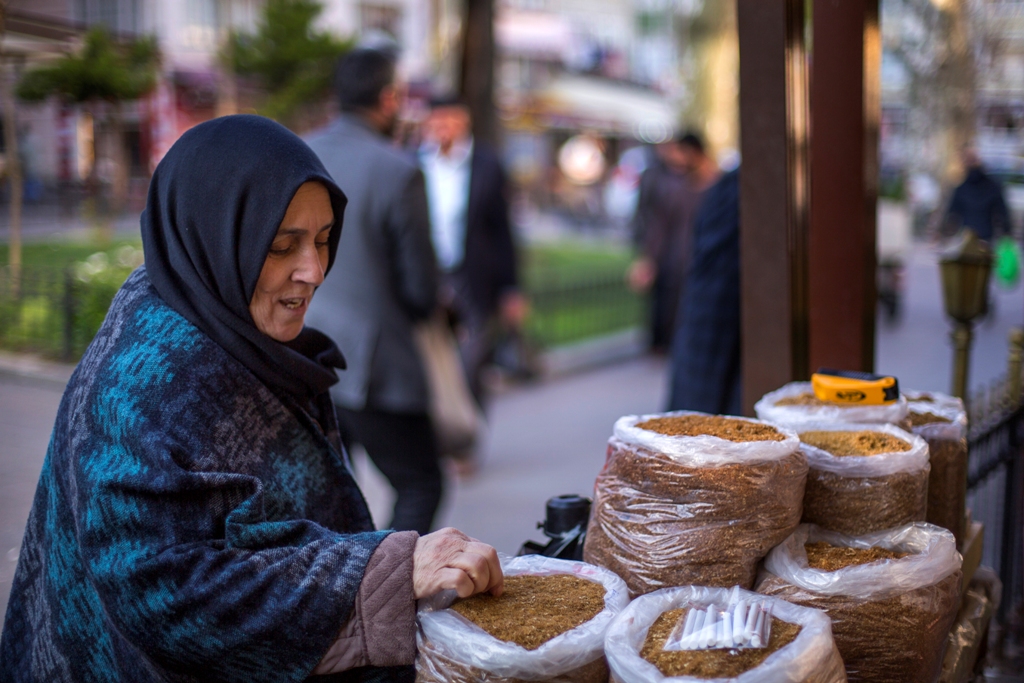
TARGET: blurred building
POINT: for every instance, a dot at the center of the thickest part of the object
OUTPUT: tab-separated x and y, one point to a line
192	85
604	73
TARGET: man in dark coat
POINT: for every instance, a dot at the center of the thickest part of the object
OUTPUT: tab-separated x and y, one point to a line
706	348
978	202
384	282
672	192
472	235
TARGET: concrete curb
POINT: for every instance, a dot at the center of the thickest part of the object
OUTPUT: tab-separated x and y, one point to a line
34	368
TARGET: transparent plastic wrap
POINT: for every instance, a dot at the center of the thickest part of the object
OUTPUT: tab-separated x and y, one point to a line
890	618
942	421
860	494
676	511
454	650
811	658
818	411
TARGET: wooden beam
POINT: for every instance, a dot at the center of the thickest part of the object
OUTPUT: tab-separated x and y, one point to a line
774	193
845	112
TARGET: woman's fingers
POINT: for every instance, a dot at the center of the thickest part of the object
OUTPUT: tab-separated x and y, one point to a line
448	559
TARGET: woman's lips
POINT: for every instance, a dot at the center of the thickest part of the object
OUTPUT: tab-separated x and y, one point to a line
294	303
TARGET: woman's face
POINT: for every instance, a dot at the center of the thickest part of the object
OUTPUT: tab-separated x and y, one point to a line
295	265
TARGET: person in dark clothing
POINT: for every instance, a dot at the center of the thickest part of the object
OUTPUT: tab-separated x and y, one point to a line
673	194
384	283
978	202
472	235
705	372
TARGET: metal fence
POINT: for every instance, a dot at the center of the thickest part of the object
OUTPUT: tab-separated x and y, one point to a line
995	485
37	312
563	312
53	311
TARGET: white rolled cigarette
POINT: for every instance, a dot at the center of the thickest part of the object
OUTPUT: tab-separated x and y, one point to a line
712	627
695	634
739	620
748	628
691	616
727	640
755	640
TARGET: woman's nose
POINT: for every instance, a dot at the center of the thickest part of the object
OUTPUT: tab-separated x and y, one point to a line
310	269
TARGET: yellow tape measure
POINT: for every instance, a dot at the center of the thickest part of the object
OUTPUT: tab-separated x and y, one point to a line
852	387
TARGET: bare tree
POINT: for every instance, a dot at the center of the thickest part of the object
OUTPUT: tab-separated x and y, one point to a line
13	162
937	42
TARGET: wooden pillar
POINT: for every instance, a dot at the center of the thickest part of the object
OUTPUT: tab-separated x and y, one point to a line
774	181
845	111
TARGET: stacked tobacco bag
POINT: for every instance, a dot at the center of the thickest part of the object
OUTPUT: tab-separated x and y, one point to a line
892	595
795	403
693	499
941	420
863	477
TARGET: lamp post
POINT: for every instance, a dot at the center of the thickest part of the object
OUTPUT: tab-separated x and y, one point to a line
965	271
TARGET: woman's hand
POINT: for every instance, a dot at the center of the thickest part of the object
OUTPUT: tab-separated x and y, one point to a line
449	559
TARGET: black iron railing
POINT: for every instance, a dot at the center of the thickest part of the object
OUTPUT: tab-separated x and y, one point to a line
995	486
563	312
56	311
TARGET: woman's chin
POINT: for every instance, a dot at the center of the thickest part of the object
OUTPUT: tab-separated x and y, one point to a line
285	333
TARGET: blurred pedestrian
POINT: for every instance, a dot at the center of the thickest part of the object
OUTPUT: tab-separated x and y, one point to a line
472	235
706	348
670	195
978	202
385	281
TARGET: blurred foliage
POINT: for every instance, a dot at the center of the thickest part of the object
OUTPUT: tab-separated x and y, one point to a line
105	69
291	60
60	308
892	187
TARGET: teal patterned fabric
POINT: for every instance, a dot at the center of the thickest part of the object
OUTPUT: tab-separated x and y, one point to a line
189	524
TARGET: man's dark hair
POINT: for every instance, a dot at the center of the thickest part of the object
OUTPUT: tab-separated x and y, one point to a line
361	77
447	99
692	140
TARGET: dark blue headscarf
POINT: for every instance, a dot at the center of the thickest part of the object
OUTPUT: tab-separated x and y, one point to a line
215	204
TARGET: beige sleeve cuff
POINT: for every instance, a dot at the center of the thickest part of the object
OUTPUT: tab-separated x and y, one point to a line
382	628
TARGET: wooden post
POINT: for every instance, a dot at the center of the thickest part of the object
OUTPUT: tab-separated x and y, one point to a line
774	188
845	111
478	56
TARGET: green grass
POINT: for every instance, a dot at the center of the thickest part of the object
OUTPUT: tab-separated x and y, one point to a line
59	254
572	261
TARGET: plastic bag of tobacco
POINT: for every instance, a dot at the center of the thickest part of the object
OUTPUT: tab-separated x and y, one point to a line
863	477
941	420
693	499
548	625
800	648
892	595
796	402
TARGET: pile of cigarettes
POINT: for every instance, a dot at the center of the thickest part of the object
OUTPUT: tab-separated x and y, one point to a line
742	626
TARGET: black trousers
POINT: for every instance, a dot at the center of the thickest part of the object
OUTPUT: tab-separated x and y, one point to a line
404	449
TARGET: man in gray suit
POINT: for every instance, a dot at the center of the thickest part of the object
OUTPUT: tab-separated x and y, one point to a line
384	281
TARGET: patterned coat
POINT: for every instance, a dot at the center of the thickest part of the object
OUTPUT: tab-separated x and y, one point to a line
189	524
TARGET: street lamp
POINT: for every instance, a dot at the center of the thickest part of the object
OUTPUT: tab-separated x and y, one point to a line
965	271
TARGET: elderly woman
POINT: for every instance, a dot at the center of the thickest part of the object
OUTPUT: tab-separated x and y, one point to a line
196	517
